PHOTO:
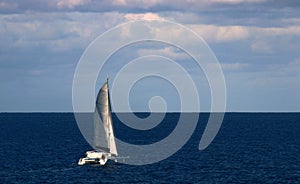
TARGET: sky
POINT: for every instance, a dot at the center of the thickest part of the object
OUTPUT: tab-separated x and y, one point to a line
257	43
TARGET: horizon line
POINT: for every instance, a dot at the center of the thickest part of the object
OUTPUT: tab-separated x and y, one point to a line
153	112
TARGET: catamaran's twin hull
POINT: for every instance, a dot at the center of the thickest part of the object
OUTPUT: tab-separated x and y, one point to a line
96	161
95	157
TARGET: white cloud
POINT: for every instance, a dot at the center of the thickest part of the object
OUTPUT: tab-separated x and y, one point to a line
278	31
231	33
260	39
69	30
183	17
270	39
71	3
142	16
119	2
55	31
168	52
221	33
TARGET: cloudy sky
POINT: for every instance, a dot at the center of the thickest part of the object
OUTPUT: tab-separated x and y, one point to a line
257	43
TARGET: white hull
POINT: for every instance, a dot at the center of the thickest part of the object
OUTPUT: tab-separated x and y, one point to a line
95	157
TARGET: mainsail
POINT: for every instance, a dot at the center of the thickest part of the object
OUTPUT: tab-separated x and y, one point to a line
104	138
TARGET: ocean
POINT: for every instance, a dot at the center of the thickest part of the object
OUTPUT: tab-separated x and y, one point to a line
249	148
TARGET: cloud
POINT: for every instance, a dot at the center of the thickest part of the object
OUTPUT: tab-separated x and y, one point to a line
12	6
237	1
261	46
66	31
179	4
59	31
221	33
169	52
71	3
279	31
234	33
137	3
271	39
260	39
254	40
142	16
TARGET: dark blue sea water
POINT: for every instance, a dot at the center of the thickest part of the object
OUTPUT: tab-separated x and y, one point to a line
250	148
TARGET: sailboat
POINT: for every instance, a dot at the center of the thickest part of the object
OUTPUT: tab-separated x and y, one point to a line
104	139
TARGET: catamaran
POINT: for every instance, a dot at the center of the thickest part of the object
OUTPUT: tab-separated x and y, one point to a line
104	139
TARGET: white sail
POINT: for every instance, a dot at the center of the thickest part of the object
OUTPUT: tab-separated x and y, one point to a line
104	138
